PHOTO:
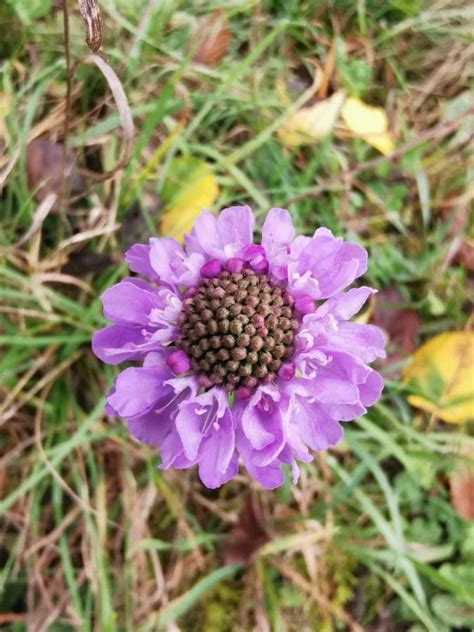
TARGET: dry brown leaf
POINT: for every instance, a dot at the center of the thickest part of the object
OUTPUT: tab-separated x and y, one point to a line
43	169
212	38
400	323
462	488
248	535
90	13
465	255
84	262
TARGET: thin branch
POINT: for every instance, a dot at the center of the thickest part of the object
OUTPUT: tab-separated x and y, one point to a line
67	114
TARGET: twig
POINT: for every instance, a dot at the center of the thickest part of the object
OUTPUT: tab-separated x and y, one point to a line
124	112
67	114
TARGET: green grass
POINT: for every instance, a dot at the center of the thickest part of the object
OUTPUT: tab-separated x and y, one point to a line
93	536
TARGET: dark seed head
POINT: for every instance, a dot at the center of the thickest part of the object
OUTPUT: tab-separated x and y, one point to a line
238	353
224	325
243	340
238	329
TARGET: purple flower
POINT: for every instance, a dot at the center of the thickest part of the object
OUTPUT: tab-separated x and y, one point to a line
247	350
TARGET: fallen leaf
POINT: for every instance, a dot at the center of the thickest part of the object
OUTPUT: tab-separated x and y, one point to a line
190	188
310	124
247	536
465	255
401	325
44	160
369	123
442	375
213	39
461	482
85	262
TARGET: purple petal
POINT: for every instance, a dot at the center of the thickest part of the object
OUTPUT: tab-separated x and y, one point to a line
172	453
260	415
277	231
269	476
118	343
137	390
345	412
318	430
213	478
188	425
223	238
217	453
200	418
327	389
172	265
367	342
151	428
235	225
315	426
263	423
345	305
164	254
255	256
341	365
371	390
126	303
325	266
277	235
138	260
156	360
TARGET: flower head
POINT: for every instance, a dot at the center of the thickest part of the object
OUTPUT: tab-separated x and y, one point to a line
247	350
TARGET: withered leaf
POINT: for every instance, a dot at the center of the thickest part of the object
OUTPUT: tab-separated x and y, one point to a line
90	13
247	536
212	38
85	262
462	492
465	255
401	324
44	160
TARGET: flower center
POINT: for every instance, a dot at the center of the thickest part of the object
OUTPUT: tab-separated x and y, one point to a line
238	329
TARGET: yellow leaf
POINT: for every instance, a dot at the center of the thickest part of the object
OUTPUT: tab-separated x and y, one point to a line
369	123
312	123
442	373
190	188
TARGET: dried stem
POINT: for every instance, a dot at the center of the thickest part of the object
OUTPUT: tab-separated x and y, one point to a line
67	114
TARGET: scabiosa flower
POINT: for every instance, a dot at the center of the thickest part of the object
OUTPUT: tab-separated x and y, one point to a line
247	353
